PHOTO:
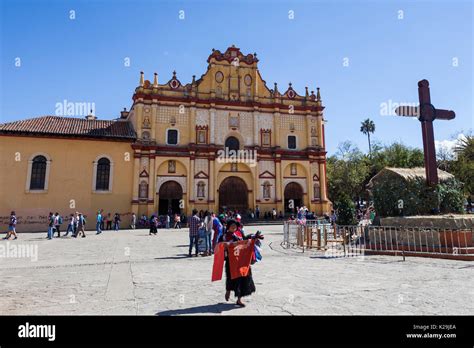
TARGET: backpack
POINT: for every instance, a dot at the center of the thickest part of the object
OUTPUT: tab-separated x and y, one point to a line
60	219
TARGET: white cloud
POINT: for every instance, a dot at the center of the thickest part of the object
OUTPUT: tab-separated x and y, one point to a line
449	145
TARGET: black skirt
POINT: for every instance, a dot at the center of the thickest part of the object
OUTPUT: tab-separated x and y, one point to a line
242	286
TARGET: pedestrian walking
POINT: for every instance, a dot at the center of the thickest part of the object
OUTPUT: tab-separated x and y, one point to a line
11	227
99	222
244	285
108	222
208	227
168	220
218	228
116	222
70	225
154	225
81	223
194	224
50	225
134	221
177	221
76	221
58	220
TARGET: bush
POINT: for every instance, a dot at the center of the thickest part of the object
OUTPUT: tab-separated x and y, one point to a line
418	198
451	197
345	211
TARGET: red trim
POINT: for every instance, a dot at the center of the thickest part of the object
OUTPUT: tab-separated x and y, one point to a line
271	176
174	176
205	176
248	104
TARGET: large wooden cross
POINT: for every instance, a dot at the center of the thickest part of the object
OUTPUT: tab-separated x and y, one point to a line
426	114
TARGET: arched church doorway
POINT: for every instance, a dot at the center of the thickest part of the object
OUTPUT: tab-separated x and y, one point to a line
170	195
293	197
233	194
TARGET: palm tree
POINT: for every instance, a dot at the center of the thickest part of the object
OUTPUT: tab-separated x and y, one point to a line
465	148
367	127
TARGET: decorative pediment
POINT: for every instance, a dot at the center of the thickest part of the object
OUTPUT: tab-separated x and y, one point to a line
144	174
266	175
174	83
201	175
238	86
290	92
231	55
315	177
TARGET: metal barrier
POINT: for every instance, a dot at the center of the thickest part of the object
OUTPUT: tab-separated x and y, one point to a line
418	240
386	240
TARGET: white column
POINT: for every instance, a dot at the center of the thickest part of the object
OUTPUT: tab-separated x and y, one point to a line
256	140
212	125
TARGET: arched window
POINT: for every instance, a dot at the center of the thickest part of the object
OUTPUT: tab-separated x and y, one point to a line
201	187
103	174
232	143
38	173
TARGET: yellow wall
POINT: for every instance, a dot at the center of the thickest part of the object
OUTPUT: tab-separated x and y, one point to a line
70	180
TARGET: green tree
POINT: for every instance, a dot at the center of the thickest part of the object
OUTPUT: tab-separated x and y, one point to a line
463	166
367	127
346	214
346	171
396	155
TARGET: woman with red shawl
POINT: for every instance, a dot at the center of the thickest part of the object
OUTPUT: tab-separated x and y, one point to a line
241	286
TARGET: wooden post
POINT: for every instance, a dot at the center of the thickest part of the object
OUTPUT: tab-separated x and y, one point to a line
325	237
319	238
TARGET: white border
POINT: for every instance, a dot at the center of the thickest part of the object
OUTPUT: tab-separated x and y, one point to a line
46	177
94	174
168	129
288	143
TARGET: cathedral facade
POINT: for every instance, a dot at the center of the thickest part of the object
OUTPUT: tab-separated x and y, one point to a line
223	141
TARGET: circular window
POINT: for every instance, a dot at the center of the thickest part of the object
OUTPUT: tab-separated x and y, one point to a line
248	80
219	76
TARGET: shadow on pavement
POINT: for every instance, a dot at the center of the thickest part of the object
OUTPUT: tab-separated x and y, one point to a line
177	257
214	308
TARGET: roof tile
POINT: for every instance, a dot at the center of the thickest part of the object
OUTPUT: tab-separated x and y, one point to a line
68	126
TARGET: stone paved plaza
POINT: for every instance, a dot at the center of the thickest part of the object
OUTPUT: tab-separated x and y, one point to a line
130	272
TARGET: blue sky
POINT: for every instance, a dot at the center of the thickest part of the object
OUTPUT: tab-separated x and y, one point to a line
82	60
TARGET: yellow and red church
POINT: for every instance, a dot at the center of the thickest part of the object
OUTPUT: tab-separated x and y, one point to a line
225	140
